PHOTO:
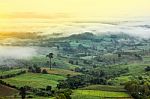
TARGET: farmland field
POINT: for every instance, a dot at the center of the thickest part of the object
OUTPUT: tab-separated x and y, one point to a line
34	80
105	88
96	94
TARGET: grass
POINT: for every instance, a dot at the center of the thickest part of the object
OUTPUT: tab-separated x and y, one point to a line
135	69
96	94
120	80
7	91
14	71
64	63
138	67
61	62
146	59
35	80
105	88
62	72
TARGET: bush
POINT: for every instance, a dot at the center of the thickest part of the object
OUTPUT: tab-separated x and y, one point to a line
44	71
61	96
30	96
48	88
147	68
34	69
71	61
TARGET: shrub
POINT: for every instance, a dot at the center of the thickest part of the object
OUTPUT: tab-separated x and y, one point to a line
44	71
147	68
48	88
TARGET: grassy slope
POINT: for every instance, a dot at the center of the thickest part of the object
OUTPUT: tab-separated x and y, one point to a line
135	69
64	64
35	80
14	71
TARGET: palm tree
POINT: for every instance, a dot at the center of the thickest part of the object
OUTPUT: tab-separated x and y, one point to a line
50	56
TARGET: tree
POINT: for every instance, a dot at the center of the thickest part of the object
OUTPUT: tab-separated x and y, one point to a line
119	55
138	90
50	56
23	92
38	70
77	63
54	64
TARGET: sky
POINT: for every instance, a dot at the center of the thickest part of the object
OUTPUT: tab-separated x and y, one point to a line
78	8
20	15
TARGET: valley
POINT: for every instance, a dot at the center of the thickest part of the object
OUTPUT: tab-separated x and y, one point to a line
84	66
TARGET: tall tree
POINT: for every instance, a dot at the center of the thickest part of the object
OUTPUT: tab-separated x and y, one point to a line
50	56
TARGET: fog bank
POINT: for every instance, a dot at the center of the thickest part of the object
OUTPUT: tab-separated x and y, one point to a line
136	27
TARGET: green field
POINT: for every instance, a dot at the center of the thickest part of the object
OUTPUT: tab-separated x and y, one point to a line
120	80
105	88
62	72
100	92
9	72
34	80
97	94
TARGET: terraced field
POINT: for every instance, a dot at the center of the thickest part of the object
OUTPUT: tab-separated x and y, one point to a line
34	80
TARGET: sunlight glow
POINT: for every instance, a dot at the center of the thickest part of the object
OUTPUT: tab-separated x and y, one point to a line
53	11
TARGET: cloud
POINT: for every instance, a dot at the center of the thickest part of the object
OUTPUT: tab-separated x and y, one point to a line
100	27
9	56
16	52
